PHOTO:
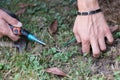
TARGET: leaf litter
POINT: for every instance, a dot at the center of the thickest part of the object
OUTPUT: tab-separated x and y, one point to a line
23	7
56	71
53	27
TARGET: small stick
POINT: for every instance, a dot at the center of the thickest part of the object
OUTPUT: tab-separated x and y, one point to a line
69	42
6	44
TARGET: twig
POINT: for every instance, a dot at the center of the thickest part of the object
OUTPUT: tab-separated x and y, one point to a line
6	44
8	73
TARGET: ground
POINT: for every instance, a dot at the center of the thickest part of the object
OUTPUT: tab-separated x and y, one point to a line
31	63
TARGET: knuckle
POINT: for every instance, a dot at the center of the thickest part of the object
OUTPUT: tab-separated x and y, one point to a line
2	27
101	35
1	22
85	40
1	12
3	32
14	21
107	31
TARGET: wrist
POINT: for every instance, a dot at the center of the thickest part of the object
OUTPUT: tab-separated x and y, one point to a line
86	5
89	12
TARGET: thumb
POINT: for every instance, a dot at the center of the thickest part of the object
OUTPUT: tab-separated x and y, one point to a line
10	20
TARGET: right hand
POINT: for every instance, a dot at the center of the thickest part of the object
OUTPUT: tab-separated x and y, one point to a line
5	30
92	30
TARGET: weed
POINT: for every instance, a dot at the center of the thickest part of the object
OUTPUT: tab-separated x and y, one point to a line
30	65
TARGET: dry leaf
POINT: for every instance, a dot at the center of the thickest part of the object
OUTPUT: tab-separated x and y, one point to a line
53	27
55	71
24	5
20	11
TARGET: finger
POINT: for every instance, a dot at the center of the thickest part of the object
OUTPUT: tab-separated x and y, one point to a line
108	34
113	29
95	47
9	19
77	37
13	37
85	46
1	35
109	37
7	31
102	43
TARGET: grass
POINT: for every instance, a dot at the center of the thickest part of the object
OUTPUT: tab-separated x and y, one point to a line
30	65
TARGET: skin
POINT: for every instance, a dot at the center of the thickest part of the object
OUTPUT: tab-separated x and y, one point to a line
91	30
5	30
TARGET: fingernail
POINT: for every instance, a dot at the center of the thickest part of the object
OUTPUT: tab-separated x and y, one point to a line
19	24
96	55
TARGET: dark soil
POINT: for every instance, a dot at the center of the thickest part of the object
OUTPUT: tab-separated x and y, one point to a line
108	63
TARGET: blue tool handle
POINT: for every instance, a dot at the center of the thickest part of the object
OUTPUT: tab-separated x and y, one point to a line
24	32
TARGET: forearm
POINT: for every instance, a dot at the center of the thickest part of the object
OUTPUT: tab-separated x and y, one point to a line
87	5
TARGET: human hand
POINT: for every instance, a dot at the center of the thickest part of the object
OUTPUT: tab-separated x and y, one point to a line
92	30
5	30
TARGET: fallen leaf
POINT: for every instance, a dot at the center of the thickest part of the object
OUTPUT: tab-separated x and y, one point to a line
20	11
53	27
24	5
55	71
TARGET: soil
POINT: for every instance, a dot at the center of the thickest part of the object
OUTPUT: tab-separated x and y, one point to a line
109	60
108	64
